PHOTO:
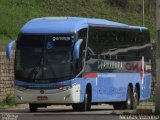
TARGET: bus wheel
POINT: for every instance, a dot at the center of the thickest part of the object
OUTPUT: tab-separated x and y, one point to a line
76	107
87	101
135	99
33	108
118	106
128	102
86	105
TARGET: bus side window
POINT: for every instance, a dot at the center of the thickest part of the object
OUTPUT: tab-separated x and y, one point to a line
140	38
82	34
93	40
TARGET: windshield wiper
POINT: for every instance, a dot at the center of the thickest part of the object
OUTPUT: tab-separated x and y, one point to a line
52	70
36	69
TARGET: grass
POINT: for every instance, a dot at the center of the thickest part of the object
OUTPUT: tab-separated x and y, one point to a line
15	13
9	101
152	98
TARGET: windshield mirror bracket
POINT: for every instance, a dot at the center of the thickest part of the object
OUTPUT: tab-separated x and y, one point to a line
9	49
76	51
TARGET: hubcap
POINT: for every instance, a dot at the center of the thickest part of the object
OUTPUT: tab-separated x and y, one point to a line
129	102
86	101
135	98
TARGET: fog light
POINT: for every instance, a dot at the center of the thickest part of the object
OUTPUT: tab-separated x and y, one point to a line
20	98
67	96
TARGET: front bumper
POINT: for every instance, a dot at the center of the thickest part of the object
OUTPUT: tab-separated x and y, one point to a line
69	96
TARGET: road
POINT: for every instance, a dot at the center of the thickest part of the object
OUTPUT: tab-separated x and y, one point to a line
99	112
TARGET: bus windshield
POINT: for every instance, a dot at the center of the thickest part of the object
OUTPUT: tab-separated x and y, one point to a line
44	58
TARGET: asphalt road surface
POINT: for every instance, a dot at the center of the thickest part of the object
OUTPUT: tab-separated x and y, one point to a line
98	112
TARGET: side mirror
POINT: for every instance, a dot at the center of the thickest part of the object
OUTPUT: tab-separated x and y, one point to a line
76	50
9	49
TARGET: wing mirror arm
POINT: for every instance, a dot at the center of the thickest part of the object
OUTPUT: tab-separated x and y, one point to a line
76	51
9	49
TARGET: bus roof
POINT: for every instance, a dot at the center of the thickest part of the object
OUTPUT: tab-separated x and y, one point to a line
50	25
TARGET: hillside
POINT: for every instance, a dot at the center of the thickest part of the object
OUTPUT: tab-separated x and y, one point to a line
14	13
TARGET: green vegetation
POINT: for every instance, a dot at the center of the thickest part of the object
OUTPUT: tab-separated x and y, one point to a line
8	101
152	98
15	13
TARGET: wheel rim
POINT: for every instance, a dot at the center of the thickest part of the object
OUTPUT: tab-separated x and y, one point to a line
129	101
136	98
86	101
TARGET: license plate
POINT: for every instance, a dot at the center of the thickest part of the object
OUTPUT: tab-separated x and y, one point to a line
39	98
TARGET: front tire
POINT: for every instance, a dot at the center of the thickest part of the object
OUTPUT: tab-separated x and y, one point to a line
33	107
86	105
87	101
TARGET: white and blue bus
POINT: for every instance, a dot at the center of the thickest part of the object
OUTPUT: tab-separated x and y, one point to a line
80	62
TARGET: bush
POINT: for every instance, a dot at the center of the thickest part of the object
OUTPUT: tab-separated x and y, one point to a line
10	100
117	3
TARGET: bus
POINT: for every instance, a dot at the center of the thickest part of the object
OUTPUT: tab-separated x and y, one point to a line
81	62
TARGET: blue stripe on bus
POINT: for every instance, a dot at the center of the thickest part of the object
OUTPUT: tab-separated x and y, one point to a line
26	84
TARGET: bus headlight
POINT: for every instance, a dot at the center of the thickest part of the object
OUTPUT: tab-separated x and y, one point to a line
20	98
63	87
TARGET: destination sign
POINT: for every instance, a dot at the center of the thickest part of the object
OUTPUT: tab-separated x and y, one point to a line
61	38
